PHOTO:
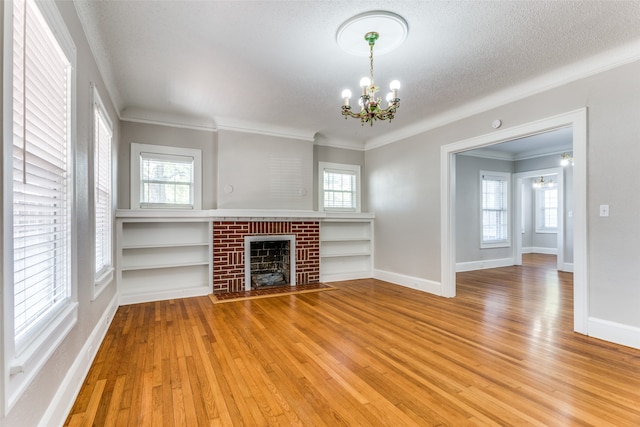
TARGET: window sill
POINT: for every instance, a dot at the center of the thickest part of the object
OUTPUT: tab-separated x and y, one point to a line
25	367
102	282
495	245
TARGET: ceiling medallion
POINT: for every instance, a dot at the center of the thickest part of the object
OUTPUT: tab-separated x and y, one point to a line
370	105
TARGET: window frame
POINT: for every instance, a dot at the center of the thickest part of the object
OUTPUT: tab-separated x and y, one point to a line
138	149
104	276
24	359
506	178
339	168
540	208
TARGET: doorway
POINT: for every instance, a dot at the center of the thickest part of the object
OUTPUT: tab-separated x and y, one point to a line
577	121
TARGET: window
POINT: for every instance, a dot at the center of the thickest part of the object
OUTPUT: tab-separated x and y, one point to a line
547	210
165	177
38	260
103	205
339	187
495	209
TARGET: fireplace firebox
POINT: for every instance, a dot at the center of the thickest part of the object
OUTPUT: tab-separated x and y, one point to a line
269	261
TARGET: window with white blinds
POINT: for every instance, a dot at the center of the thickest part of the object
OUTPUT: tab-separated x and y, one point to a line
547	210
41	172
165	177
339	187
102	137
495	209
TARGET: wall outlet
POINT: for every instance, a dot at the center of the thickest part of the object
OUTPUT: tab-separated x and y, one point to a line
604	210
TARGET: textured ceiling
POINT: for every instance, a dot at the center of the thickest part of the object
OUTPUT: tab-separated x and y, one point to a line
275	66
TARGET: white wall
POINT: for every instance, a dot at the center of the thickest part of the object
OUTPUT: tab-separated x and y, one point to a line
322	153
70	359
548	240
264	172
242	161
143	133
468	209
404	182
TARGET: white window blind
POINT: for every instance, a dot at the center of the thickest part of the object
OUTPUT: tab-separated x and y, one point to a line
339	189
166	180
41	182
102	135
547	210
495	209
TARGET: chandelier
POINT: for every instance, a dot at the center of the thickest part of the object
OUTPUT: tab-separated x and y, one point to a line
541	183
371	105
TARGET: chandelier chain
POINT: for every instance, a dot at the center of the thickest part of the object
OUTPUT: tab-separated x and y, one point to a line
371	62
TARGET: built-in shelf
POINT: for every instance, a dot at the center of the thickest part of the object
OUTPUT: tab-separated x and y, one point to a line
169	254
346	249
163	258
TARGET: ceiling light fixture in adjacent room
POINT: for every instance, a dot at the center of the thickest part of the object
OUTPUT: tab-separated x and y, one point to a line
541	183
566	159
370	104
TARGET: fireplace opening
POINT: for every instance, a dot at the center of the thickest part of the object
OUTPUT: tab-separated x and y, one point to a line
269	261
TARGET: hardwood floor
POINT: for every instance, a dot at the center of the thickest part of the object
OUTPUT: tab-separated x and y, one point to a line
370	353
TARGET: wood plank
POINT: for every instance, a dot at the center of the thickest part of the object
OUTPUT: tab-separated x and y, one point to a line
503	352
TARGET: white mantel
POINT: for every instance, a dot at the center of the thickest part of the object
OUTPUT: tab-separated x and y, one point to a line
240	214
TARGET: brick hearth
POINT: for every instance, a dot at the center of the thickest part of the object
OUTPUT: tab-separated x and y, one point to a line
228	250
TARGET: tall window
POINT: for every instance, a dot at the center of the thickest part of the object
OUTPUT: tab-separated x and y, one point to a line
39	257
339	187
41	180
165	177
102	136
495	209
547	210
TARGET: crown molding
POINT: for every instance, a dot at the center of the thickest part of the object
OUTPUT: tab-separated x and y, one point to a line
265	129
339	143
488	153
168	124
578	70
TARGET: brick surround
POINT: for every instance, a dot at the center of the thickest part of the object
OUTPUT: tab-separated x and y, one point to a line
228	250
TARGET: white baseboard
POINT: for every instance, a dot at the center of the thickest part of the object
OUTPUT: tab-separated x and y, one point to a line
141	297
539	250
65	396
481	265
614	332
568	267
409	281
338	277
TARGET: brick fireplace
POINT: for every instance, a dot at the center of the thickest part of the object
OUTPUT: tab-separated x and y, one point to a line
229	250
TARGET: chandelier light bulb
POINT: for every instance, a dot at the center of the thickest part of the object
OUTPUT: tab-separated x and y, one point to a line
394	85
365	82
390	97
346	95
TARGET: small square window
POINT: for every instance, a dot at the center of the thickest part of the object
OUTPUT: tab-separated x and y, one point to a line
339	187
165	177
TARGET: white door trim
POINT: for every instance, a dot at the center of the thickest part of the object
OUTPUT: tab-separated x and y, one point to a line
517	212
578	121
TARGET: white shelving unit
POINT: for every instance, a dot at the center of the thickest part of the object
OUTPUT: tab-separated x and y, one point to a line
163	258
346	249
